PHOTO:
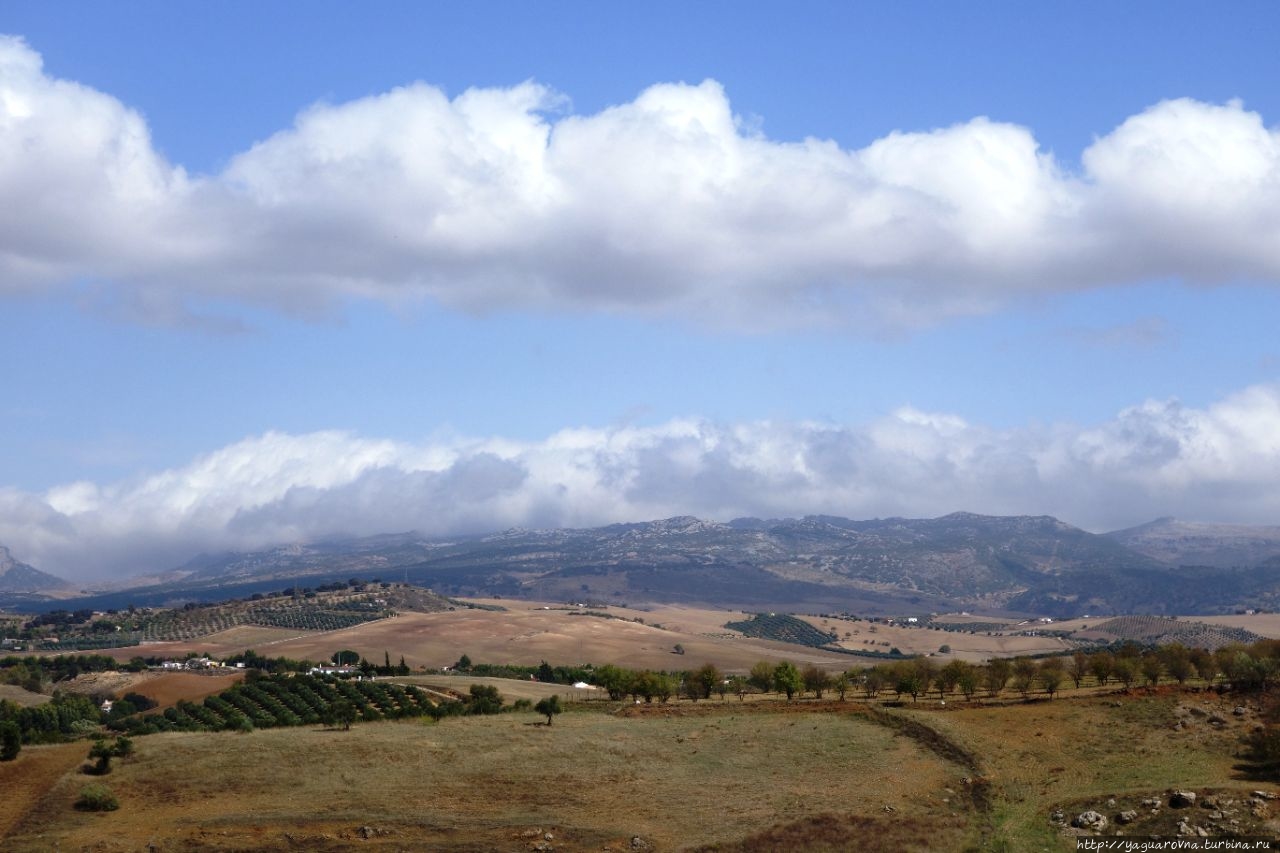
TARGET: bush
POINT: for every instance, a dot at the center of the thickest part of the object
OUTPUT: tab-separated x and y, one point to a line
10	741
97	798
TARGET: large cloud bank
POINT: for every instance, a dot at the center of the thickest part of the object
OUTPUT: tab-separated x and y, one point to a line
665	206
1220	463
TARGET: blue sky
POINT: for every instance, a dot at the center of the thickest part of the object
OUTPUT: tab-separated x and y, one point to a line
274	271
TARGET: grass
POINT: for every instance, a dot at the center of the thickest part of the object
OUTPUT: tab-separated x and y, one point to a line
722	776
592	779
1068	753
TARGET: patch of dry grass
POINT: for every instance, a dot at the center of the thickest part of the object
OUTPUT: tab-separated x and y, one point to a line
25	698
1053	754
592	779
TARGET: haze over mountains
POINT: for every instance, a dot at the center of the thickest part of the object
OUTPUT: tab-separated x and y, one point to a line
1033	564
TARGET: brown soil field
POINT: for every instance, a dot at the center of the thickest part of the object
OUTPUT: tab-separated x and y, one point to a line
169	688
27	780
591	781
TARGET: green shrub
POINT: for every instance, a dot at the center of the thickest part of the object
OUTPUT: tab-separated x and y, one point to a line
97	798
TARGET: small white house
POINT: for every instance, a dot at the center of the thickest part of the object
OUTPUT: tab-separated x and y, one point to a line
333	669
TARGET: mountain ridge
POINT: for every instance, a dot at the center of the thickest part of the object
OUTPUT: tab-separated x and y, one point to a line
1025	564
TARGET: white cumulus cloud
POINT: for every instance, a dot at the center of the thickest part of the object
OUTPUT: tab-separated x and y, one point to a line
668	205
1217	463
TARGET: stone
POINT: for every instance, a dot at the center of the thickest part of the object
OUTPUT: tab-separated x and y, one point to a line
1128	816
1217	720
1152	803
1182	799
1262	795
1090	820
1198	712
1239	711
1056	816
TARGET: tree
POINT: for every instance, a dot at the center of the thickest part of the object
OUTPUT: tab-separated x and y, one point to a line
1103	666
761	676
816	680
1079	667
616	681
707	678
346	657
1177	662
340	713
1024	675
909	679
548	707
646	684
485	699
463	664
1205	665
926	671
10	740
1151	668
102	754
997	675
841	685
1051	675
787	679
1125	670
739	685
949	677
873	681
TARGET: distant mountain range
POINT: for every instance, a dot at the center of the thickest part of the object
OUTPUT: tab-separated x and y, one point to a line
1026	564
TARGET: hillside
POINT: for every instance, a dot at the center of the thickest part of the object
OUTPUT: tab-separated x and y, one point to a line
16	577
1189	543
1016	564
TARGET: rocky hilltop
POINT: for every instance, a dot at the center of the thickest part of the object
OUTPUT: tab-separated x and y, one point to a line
1191	543
16	577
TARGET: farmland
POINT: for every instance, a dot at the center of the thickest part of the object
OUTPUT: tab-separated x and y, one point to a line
724	775
591	780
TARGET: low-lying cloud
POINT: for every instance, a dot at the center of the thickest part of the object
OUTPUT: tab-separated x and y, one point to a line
666	206
1218	463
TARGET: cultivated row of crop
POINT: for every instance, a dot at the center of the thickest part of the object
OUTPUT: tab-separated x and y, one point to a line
300	616
1164	631
784	629
286	701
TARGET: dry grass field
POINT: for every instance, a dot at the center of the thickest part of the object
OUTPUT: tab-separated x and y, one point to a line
980	646
1106	752
525	634
1264	624
715	775
591	781
25	698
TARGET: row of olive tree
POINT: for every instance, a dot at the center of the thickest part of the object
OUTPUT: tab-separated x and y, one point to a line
1242	667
